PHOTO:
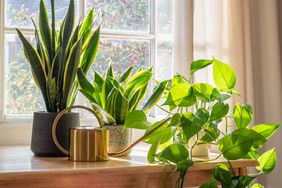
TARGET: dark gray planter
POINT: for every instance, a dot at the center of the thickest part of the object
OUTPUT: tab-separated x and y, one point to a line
41	141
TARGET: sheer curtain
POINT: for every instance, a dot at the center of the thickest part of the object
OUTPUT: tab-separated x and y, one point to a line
245	34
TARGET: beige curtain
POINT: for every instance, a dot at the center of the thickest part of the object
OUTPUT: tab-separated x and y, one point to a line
245	34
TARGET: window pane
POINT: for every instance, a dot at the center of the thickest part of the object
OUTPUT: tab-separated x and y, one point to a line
122	54
164	16
21	94
19	12
164	60
123	14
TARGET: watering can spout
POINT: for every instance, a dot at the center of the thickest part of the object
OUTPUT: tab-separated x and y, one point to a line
92	143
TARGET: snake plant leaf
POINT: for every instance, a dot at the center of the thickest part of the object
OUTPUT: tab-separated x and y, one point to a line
155	97
91	50
223	75
44	28
54	33
135	100
41	49
266	130
267	161
137	120
199	64
103	115
238	143
243	115
126	74
83	82
70	71
117	105
86	27
138	81
68	24
88	95
36	65
110	71
99	84
51	92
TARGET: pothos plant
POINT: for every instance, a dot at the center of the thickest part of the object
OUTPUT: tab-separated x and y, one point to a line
58	53
195	107
112	96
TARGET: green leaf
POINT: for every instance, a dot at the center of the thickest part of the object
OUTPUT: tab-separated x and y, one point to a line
68	25
243	115
222	174
223	75
238	143
220	96
180	95
219	110
86	26
211	132
138	81
266	130
84	83
155	97
90	51
37	67
210	184
179	79
104	116
126	74
257	185
203	91
137	120
244	181
152	152
70	72
192	128
175	119
175	153
161	135
199	64
44	28
117	105
267	161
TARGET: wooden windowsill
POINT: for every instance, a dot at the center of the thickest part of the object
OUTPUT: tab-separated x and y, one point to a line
19	168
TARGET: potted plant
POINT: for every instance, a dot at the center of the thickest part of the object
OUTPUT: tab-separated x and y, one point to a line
170	144
112	97
54	62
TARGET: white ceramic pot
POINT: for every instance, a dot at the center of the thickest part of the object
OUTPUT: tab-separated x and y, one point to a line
119	138
199	150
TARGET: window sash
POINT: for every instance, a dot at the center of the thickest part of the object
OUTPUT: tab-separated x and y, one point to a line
152	37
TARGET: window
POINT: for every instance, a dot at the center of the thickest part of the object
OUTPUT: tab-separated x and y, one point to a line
133	32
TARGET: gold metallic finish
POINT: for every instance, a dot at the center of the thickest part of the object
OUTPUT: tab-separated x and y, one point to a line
89	143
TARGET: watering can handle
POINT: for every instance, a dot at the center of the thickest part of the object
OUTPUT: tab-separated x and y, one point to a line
60	114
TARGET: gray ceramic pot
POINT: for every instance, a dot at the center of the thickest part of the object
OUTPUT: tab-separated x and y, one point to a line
41	141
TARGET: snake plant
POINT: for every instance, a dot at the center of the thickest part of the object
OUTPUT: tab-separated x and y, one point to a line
112	98
58	54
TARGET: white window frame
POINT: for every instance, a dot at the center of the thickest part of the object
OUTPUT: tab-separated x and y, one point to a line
20	127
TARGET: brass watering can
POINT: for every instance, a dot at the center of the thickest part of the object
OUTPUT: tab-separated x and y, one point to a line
91	144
